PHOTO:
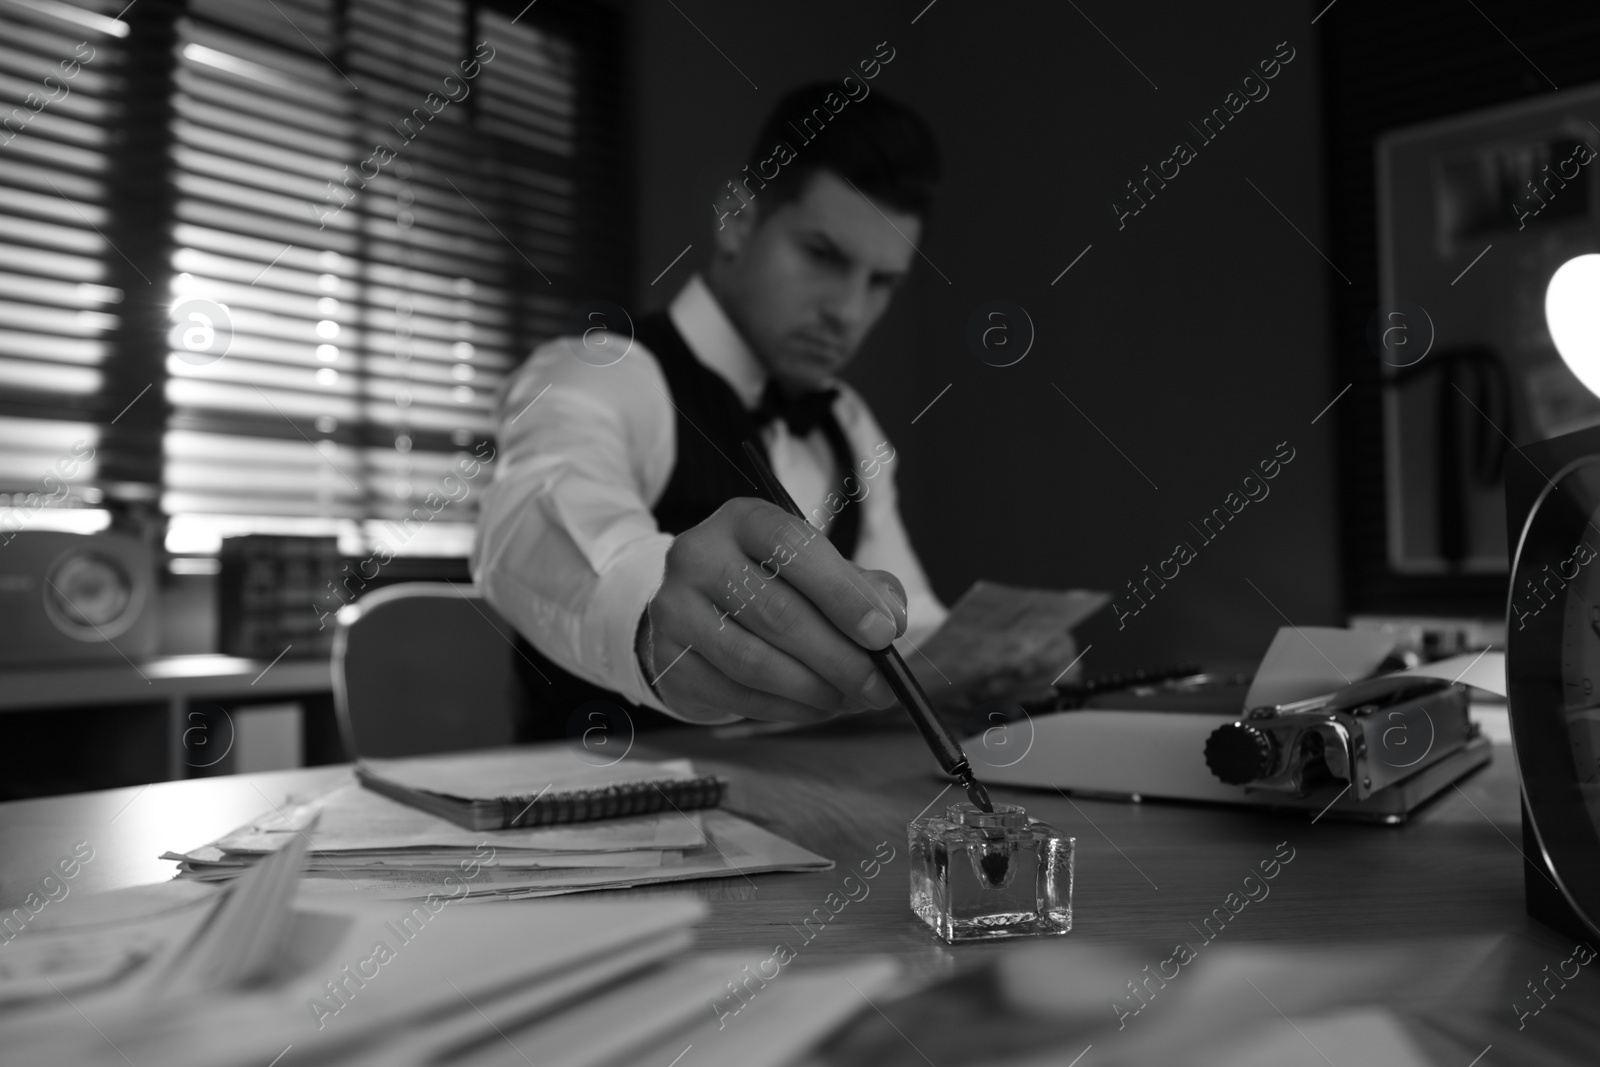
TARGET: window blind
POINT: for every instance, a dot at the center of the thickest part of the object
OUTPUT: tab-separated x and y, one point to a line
60	82
378	202
295	247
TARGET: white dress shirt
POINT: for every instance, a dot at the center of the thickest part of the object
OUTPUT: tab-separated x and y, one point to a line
568	549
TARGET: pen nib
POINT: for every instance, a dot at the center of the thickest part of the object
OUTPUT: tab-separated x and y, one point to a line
976	792
996	858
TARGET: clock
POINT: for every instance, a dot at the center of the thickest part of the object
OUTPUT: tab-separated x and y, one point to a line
1553	674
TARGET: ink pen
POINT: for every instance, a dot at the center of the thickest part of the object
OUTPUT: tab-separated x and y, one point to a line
892	667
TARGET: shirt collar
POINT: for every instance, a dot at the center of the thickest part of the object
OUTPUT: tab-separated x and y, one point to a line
716	342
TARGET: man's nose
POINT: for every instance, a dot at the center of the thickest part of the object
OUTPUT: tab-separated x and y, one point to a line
846	306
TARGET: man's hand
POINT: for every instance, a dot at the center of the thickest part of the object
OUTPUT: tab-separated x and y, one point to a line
758	614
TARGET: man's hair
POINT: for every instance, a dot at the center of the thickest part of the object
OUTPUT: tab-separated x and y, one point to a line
880	146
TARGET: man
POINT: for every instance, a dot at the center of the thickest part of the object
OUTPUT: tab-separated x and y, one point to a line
624	536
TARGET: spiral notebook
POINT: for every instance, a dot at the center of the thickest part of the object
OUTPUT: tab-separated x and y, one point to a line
501	789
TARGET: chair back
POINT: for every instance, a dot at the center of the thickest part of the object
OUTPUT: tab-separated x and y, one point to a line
421	667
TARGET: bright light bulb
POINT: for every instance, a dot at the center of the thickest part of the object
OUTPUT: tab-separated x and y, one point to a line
1572	308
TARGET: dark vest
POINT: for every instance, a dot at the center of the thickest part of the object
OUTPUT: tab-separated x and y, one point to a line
710	469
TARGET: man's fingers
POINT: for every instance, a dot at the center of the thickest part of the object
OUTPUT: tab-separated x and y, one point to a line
770	620
893	591
780	616
776	642
751	662
781	543
703	692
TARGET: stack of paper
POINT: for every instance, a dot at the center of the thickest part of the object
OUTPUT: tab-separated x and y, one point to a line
360	983
343	974
361	840
251	972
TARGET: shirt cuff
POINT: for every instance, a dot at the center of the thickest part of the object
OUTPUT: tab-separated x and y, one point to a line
620	598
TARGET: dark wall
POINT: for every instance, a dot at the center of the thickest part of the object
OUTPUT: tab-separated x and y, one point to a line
1379	79
1192	341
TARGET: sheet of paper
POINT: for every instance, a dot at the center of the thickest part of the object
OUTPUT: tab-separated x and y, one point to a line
993	627
1483	670
734	847
641	1008
787	1018
244	939
86	941
519	772
628	1017
1230	1005
354	819
1362	1035
228	867
1309	661
507	860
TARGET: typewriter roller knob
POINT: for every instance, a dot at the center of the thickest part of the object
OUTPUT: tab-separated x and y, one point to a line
1239	754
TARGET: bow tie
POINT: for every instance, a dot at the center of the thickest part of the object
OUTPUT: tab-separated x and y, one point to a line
802	413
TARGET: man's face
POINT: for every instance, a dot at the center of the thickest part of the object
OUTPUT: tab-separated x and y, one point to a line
807	282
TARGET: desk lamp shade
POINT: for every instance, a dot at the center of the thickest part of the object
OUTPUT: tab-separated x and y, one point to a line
1553	674
1572	309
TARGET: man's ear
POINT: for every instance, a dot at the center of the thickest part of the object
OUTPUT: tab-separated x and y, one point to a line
734	229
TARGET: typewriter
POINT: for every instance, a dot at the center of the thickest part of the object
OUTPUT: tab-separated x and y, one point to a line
1375	750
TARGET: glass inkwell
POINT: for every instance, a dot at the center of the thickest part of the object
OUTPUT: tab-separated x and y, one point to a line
977	875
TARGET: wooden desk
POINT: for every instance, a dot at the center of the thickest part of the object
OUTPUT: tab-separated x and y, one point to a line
1144	873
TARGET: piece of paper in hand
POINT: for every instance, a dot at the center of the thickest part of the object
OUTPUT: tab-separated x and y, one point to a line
994	627
1308	661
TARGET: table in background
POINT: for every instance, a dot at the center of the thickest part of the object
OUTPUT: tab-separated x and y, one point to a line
170	684
1144	871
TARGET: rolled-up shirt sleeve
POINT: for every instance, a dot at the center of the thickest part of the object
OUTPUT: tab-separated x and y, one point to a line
567	548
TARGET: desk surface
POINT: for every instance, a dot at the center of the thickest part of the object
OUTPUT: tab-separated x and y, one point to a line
1144	872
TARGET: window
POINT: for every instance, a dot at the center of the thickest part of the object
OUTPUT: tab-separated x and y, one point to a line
370	211
60	82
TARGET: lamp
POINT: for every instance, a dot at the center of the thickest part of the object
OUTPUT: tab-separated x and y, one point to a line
1572	309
